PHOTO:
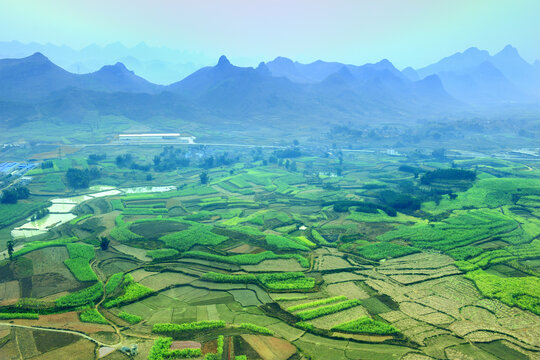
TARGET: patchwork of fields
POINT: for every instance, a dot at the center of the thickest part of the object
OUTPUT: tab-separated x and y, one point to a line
268	262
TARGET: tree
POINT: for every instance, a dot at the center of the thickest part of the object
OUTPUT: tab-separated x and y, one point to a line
9	196
78	178
204	177
293	166
10	249
104	244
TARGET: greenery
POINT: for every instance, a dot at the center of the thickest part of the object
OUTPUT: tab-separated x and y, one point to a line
82	297
161	350
92	316
383	250
78	262
11	316
162	253
36	245
132	291
130	318
257	329
326	310
456	231
196	234
523	292
366	325
247	259
286	281
317	303
219	351
114	281
179	329
226	278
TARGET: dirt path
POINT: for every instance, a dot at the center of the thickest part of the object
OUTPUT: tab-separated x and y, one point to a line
73	332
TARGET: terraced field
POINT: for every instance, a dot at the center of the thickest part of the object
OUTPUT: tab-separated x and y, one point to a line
269	263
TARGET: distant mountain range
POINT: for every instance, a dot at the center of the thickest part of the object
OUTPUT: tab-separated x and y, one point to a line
281	90
159	65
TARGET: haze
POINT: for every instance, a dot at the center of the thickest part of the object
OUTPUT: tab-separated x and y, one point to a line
408	33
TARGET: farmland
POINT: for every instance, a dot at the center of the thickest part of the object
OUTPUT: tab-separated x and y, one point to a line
264	261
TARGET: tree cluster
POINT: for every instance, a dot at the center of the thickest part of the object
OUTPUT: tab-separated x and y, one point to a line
14	194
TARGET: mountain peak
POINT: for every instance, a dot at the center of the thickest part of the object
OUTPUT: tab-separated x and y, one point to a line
282	60
38	57
223	61
263	69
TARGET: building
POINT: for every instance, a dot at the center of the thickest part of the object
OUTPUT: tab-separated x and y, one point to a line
155	137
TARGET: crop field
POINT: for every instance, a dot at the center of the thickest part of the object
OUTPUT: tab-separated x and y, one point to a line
270	262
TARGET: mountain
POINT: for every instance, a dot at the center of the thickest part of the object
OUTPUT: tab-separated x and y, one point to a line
159	65
36	77
457	63
517	70
284	88
302	73
476	77
410	74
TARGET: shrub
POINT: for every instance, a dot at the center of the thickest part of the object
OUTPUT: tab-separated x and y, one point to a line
132	292
286	281
130	318
179	329
92	316
162	253
114	281
247	259
10	316
383	250
81	297
283	243
161	351
366	325
78	262
196	234
257	329
226	278
326	310
316	303
36	245
523	292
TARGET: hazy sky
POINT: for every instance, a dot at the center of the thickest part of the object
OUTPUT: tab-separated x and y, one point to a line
407	32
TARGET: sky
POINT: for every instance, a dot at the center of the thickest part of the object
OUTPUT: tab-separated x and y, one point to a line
407	32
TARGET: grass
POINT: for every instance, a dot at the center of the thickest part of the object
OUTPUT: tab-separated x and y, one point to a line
92	316
80	218
273	281
78	262
162	253
178	329
161	350
114	281
316	303
257	329
130	318
247	259
11	316
384	250
284	243
366	325
81	297
196	234
132	291
327	310
462	229
523	292
36	245
286	281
